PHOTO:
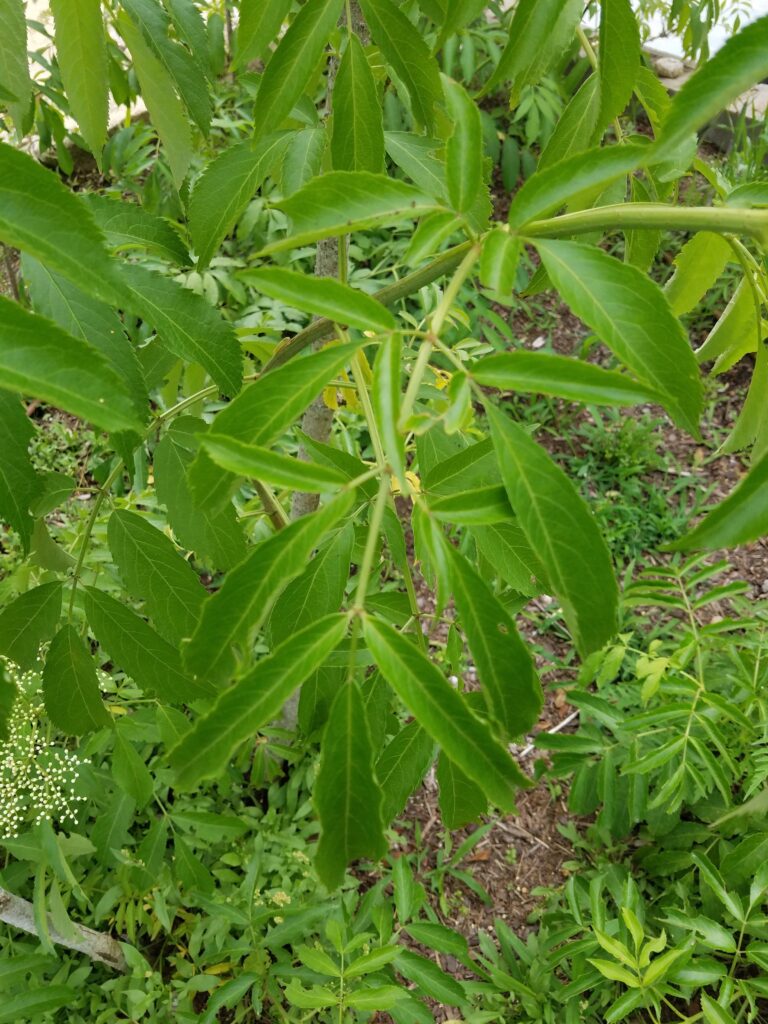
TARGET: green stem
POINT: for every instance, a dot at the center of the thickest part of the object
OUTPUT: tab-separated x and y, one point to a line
324	328
374	528
653	216
86	539
581	35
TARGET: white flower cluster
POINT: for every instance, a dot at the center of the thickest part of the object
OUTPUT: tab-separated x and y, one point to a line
38	777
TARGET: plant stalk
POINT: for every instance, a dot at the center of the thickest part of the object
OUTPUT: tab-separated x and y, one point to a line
720	219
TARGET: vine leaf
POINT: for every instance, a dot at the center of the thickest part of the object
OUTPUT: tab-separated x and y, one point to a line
253	701
444	714
71	686
347	795
560	529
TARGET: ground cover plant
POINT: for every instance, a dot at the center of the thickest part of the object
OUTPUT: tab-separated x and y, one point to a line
291	516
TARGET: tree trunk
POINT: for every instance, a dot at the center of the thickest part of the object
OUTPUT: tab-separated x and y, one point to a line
20	914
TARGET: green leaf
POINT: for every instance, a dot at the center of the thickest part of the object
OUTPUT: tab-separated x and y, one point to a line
401	766
461	800
717	83
153	570
238	609
538	35
342	202
386	398
40	359
164	106
128	226
324	296
71	687
619	57
27	621
265	410
346	794
81	51
593	170
315	998
187	325
464	150
380	997
357	140
14	70
258	25
576	129
56	488
184	71
506	549
698	265
46	552
89	319
39	215
741	518
303	158
216	538
734	333
224	189
19	483
629	313
136	648
510	685
560	529
253	701
291	65
255	462
191	28
482	506
407	53
615	972
443	713
499	260
714	1013
415	156
430	980
130	772
318	591
373	961
33	1002
562	376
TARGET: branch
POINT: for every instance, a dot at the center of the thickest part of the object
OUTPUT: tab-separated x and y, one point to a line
722	219
96	945
324	328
